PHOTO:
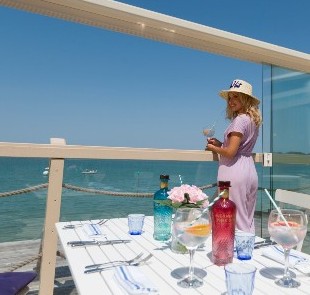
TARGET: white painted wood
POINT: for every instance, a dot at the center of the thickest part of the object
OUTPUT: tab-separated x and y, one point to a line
165	267
128	19
293	198
8	149
49	240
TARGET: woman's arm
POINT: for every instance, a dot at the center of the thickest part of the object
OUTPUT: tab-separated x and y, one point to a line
234	140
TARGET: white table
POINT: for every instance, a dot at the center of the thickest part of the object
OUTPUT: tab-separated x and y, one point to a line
164	268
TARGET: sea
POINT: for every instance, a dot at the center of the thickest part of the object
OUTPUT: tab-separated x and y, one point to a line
22	215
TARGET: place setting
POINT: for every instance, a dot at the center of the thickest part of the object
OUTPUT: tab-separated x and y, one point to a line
96	226
94	234
127	272
92	230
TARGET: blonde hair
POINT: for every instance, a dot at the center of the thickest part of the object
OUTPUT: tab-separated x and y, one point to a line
250	107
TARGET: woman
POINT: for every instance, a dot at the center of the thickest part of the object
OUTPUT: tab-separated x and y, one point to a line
236	163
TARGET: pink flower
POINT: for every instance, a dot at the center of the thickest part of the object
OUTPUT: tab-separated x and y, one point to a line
187	194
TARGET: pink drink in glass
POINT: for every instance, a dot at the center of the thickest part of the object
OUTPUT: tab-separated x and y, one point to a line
287	237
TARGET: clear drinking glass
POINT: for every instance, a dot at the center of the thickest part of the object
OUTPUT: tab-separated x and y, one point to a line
192	227
287	234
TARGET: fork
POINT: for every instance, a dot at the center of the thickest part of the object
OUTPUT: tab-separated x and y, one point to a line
112	262
137	263
71	226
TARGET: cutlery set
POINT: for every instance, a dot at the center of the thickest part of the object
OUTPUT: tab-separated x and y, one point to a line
73	226
117	261
136	261
96	243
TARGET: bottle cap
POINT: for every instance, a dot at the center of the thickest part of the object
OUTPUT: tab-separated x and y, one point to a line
224	184
164	176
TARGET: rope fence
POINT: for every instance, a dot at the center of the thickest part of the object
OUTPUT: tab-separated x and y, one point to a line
24	190
85	190
89	190
97	191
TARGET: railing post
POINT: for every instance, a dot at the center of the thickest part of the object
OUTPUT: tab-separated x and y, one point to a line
52	213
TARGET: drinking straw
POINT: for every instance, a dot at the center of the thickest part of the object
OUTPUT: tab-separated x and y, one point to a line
215	199
278	209
204	210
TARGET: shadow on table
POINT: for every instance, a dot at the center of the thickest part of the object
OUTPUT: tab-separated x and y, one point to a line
209	255
274	273
181	272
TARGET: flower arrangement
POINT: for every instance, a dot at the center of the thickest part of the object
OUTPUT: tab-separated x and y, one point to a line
186	196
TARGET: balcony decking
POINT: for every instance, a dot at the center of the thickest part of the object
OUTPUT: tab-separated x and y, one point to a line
13	253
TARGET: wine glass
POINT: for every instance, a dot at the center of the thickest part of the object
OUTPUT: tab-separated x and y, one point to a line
208	132
191	226
287	233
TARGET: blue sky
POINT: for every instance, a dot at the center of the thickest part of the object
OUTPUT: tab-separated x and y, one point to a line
96	87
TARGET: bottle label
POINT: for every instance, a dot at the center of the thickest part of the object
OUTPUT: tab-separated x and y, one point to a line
223	218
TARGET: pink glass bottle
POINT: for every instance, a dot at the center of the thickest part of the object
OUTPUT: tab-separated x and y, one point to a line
223	214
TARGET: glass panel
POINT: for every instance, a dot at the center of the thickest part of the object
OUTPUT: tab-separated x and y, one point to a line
291	130
290	138
125	179
24	212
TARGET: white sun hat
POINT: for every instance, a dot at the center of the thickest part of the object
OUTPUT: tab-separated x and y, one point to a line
239	86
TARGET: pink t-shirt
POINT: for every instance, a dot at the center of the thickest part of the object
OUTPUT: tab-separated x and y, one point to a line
244	125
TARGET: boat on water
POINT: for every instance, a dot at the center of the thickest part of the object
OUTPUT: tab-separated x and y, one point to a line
89	171
46	171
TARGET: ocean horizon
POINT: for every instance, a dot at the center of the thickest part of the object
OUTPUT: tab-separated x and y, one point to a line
23	215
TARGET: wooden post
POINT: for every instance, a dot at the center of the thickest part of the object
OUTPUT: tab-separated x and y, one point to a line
52	214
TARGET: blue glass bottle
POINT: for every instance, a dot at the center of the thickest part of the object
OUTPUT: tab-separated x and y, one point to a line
162	213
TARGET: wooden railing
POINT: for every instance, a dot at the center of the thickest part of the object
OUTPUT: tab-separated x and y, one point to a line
57	151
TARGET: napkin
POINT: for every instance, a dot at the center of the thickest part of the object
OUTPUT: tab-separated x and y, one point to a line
13	282
92	230
134	281
276	253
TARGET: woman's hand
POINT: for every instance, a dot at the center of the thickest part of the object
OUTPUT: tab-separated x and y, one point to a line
212	144
214	141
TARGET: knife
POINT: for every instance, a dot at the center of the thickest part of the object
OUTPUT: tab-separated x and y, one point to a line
98	243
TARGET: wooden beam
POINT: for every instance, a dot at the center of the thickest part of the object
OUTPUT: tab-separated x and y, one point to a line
52	214
120	17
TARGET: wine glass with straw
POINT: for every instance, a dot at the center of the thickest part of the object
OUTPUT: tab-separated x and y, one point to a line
192	227
287	227
208	132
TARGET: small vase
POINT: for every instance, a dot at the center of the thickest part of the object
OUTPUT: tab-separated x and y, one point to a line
176	246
